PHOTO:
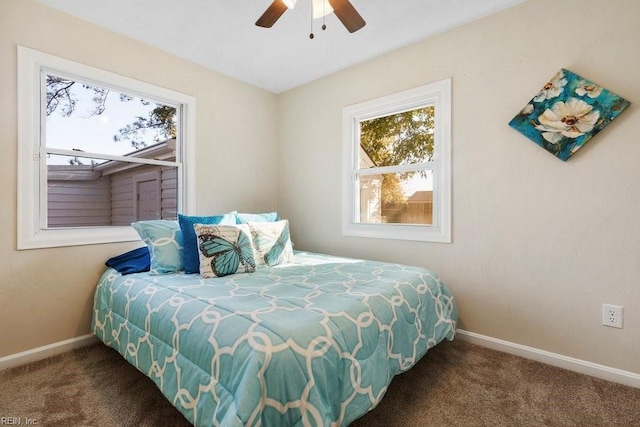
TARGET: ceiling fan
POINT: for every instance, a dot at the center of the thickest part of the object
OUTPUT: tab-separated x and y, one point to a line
343	9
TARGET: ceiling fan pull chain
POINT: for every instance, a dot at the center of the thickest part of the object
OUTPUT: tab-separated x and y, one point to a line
311	36
324	15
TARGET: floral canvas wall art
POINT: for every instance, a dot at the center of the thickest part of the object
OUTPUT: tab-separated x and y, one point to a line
566	113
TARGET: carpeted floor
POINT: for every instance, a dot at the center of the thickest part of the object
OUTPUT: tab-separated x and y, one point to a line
455	384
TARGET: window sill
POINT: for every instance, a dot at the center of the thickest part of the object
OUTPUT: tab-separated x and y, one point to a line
423	233
51	238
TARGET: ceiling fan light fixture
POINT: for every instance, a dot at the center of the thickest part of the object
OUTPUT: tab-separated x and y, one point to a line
321	8
343	9
290	3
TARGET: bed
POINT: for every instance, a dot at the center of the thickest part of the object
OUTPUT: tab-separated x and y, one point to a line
313	342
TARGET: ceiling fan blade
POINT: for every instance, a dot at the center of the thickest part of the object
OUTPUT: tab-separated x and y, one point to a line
272	14
347	14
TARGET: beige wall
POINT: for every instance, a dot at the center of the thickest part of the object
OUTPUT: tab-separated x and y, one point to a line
46	295
538	244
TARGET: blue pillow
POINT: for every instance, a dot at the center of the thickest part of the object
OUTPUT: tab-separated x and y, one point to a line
164	240
245	218
190	255
135	261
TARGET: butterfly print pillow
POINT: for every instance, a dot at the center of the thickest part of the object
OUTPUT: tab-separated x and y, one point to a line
224	249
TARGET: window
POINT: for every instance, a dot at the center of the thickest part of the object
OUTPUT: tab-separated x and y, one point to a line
397	166
97	151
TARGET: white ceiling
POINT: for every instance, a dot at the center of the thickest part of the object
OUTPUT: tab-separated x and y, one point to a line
221	35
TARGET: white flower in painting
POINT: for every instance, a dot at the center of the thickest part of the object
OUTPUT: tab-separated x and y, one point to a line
552	88
528	109
570	119
586	88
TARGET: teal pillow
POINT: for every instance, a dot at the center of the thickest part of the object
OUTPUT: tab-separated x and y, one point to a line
224	249
164	240
245	218
190	257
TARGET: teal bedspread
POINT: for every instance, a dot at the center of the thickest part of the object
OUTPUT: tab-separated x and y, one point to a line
311	343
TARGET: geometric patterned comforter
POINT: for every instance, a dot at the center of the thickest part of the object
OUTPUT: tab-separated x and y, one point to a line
315	342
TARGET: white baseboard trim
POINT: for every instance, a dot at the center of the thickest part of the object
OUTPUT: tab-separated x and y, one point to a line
554	359
43	352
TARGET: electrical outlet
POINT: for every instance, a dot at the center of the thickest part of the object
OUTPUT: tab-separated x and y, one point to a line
612	315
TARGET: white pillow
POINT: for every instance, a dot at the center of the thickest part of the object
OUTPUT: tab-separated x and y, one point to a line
272	242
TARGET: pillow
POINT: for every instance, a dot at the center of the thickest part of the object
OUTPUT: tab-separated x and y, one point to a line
245	218
164	240
135	261
224	249
191	258
272	242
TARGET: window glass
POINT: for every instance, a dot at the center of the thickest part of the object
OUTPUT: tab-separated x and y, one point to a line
398	139
88	117
397	198
86	191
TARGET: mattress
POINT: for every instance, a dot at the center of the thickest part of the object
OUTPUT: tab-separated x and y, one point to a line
315	342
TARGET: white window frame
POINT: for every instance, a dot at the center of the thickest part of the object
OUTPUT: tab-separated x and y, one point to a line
437	94
32	175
